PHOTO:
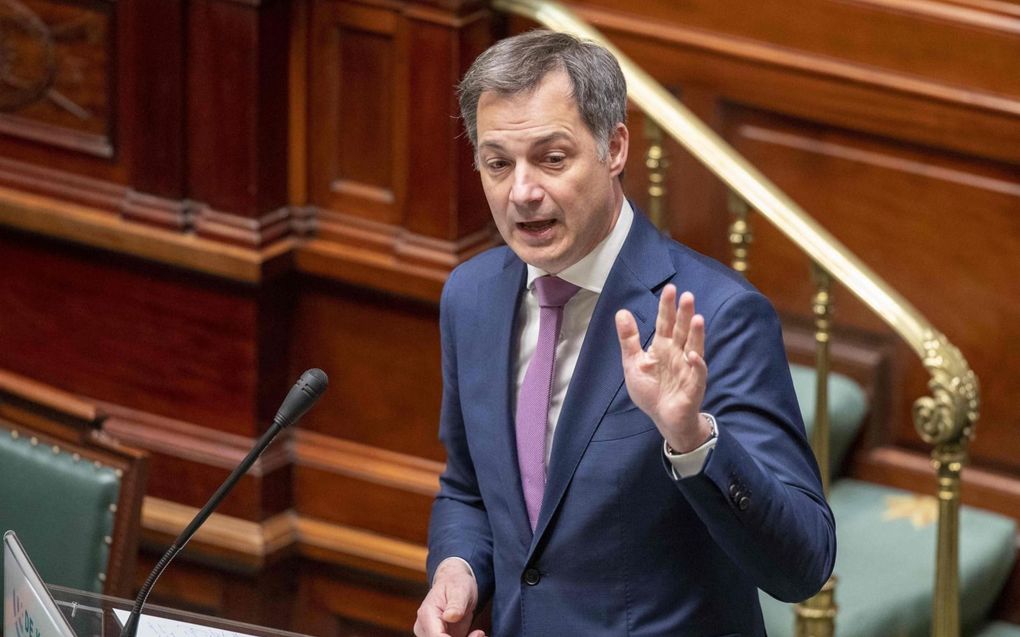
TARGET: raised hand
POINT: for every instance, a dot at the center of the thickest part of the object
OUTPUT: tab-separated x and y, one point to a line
667	381
449	605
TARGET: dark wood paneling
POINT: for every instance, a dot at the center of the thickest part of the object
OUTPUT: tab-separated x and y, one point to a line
237	123
396	202
155	84
805	84
916	216
865	32
382	357
130	333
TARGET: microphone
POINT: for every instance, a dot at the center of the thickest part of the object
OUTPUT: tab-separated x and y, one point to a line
301	397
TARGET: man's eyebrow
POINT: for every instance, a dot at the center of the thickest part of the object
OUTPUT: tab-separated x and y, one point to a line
552	137
541	141
491	145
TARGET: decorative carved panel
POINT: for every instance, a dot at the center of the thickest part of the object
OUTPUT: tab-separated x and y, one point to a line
56	73
357	131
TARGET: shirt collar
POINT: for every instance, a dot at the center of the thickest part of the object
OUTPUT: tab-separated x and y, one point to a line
591	272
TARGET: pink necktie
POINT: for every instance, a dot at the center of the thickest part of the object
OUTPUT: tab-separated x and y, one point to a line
533	398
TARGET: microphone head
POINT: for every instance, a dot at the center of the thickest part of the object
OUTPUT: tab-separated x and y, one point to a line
301	397
313	382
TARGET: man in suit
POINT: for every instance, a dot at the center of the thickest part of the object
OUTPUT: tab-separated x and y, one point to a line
617	463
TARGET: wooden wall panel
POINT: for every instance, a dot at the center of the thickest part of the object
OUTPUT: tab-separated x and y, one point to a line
395	201
866	32
127	332
60	88
382	356
945	215
357	149
237	120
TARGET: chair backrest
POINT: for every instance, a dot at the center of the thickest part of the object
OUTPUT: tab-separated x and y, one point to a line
72	495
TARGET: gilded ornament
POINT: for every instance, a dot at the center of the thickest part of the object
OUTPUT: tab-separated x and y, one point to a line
949	414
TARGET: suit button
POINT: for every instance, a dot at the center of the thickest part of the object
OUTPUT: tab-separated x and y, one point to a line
532	576
734	490
743	503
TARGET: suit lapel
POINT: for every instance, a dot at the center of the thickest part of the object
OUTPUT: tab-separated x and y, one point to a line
498	299
642	266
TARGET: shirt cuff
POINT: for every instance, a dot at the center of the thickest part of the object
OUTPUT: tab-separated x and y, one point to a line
461	560
689	464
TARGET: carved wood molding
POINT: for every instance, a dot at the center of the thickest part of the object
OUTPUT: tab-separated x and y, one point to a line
251	544
173	214
92	144
256	543
380	466
188	441
390	257
96	224
50	182
245	231
29	392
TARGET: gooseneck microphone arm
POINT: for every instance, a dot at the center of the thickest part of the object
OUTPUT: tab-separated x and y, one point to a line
299	400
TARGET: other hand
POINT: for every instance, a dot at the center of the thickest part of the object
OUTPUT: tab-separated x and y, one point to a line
667	381
450	604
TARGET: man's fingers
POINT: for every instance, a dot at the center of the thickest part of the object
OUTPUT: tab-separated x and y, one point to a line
429	622
627	331
696	336
477	633
683	320
666	317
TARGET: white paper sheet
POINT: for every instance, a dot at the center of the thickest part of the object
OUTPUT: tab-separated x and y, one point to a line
159	627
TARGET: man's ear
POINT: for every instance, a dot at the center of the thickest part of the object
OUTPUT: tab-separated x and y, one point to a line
619	144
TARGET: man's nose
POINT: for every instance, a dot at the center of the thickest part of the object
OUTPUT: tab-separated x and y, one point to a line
526	189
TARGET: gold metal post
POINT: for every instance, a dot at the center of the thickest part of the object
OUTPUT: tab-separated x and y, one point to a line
657	162
740	232
816	617
948	460
946	419
821	306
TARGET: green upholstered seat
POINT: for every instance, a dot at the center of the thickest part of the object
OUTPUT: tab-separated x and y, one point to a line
885	562
847	406
61	505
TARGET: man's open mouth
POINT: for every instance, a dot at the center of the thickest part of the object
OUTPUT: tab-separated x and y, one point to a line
536	226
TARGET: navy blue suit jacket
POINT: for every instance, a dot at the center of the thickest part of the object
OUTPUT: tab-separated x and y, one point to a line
621	548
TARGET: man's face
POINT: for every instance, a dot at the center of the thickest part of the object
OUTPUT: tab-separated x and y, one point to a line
552	199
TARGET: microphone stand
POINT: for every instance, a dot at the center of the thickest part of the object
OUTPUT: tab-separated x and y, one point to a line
131	625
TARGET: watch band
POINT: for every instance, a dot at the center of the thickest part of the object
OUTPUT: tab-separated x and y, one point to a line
672	453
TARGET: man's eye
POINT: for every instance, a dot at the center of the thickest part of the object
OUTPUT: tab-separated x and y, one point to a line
495	165
555	160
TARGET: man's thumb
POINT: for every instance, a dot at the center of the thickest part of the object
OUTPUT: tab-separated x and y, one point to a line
456	605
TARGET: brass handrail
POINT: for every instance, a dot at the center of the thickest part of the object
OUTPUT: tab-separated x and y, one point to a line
946	418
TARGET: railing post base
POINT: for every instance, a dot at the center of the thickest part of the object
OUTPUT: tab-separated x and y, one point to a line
816	617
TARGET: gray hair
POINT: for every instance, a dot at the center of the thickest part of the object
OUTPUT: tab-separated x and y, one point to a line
518	64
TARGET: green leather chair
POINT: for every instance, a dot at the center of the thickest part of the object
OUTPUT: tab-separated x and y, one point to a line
885	541
74	505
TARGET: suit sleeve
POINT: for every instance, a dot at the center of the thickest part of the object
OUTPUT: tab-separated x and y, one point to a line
759	492
459	525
